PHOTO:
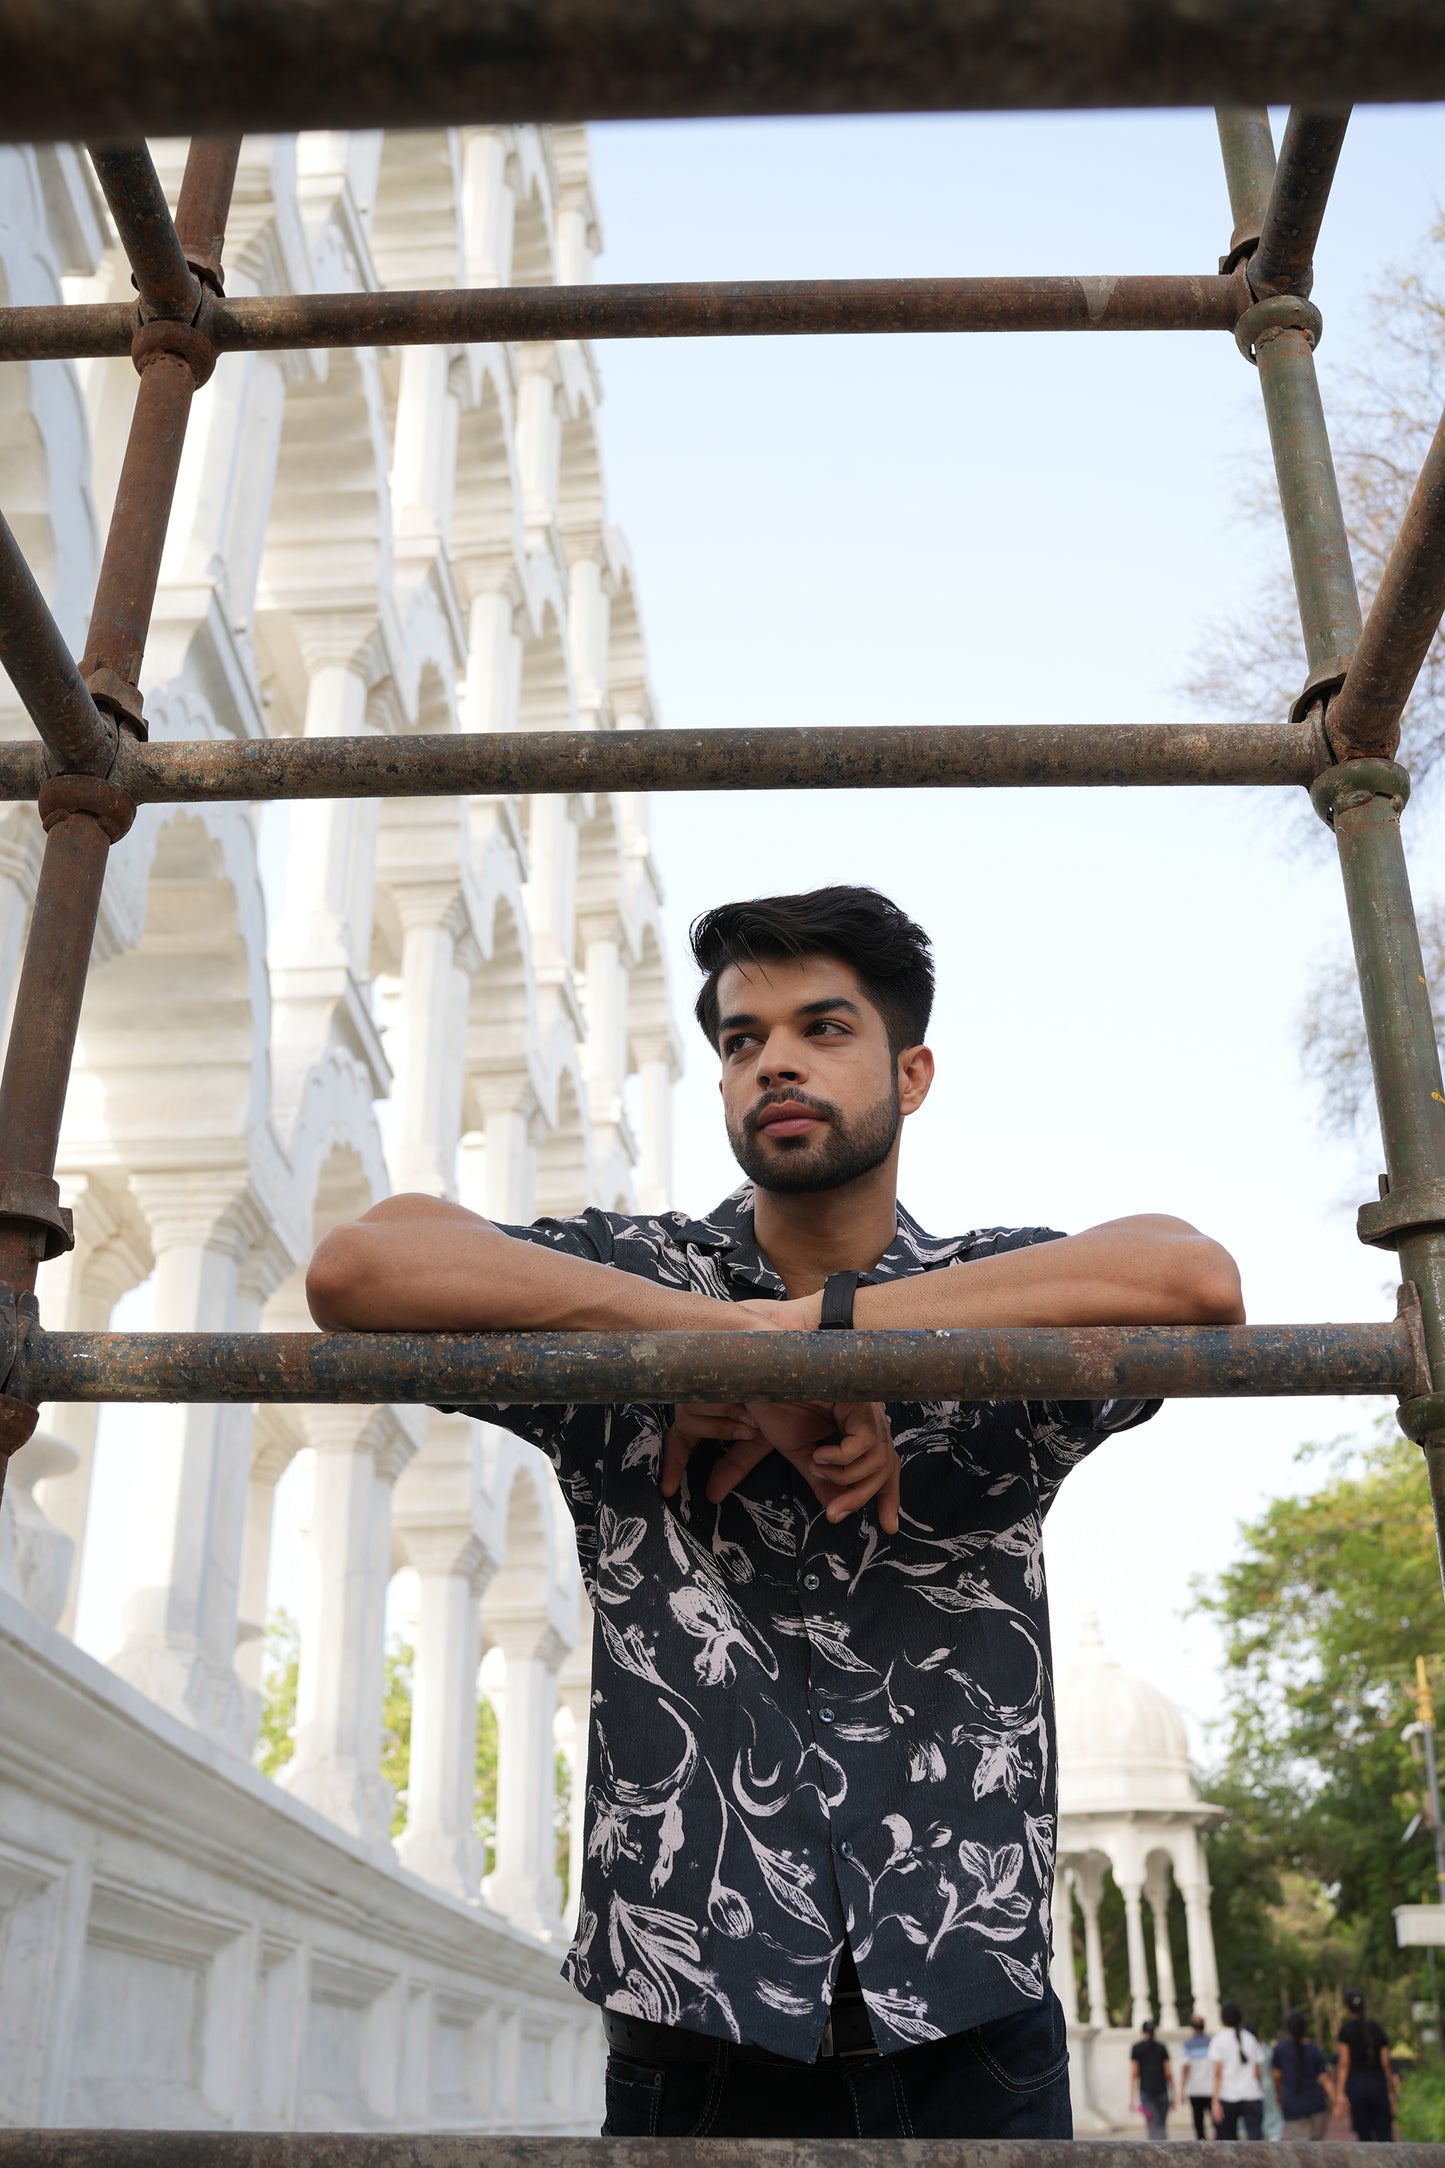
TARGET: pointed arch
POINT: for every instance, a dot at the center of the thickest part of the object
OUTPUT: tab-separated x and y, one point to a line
416	237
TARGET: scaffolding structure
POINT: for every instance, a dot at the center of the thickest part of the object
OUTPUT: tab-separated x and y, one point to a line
92	766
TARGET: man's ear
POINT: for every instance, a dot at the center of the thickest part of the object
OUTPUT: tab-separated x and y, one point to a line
915	1075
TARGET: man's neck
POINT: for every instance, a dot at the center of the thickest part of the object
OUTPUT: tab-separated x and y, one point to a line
806	1237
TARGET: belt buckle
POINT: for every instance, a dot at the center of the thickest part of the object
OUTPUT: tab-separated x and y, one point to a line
826	2049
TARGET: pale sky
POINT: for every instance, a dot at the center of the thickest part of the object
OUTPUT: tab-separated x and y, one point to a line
1025	528
1022	529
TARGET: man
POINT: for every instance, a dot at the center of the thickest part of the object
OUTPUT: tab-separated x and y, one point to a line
1150	2081
1196	2079
820	1831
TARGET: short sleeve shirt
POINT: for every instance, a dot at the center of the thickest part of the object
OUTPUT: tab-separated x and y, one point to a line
1238	2058
1364	2039
1299	2063
805	1737
1152	2058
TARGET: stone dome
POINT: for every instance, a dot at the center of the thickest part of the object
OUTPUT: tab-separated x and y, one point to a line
1122	1742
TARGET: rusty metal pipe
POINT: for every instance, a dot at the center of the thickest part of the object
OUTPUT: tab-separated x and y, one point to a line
82	817
717	309
941	756
1284	260
164	280
125	593
1279	335
205	205
1364	717
39	666
117	68
1028	1362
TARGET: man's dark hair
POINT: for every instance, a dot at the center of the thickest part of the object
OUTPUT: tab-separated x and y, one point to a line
892	957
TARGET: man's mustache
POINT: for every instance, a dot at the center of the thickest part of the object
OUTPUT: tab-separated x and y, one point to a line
754	1115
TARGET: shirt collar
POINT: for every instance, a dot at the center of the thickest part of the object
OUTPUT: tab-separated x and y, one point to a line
729	1232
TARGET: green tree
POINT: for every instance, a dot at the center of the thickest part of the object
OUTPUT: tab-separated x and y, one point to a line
396	1726
280	1666
1324	1611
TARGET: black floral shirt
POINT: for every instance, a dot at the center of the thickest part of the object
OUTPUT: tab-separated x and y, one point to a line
801	1734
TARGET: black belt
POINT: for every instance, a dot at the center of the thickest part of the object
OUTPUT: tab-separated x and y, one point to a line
847	2032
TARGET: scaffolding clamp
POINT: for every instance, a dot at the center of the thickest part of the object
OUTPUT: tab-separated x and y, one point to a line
17	1417
33	1201
1277	313
1409	1209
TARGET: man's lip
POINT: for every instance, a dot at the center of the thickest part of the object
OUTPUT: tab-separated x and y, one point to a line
786	1121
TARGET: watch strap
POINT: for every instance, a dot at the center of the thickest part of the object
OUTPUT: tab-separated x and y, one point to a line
838	1291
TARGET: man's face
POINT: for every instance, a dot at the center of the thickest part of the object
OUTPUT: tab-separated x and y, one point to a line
812	1096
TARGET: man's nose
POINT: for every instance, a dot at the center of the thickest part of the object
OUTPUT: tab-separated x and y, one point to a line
782	1063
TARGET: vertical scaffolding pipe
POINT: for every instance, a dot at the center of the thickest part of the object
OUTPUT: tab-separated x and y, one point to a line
205	204
1279	335
83	815
1362	801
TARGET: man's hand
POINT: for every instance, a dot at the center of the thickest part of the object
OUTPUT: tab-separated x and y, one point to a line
843	1450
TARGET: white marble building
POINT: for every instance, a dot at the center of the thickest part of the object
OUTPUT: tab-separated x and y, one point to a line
290	1013
1128	1805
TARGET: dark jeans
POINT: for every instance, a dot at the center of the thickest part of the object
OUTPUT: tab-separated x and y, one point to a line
1369	2099
1199	2109
1156	2114
1007	2079
1234	2112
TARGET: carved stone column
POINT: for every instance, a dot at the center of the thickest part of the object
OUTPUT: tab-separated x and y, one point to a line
657	1073
524	1886
189	1473
78	1292
1156	1889
337	1764
436	1517
1089	1881
1140	2008
429	1037
1199	1927
1066	1986
321	951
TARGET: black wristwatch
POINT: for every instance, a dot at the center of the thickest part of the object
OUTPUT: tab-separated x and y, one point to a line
838	1291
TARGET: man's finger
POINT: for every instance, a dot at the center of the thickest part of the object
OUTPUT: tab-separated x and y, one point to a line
739	1460
889	1500
676	1453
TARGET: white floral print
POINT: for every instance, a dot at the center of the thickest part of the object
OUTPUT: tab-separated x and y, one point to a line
807	1737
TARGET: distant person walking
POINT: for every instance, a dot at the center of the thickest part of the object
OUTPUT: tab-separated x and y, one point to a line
1196	2075
1369	2082
1150	2081
1238	2095
1303	2085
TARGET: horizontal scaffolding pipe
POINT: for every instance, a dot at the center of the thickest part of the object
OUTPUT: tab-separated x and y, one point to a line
471	315
484	764
117	69
1034	1362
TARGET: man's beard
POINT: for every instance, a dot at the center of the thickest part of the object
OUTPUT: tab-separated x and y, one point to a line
849	1150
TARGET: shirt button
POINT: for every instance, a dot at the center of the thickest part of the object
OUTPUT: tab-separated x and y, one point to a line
826	1716
846	1849
810	1581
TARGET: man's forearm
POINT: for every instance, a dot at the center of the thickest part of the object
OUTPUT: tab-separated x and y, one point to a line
1147	1270
418	1264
